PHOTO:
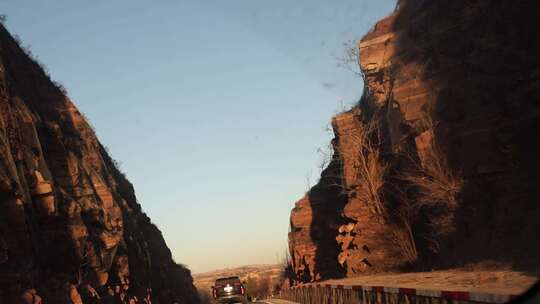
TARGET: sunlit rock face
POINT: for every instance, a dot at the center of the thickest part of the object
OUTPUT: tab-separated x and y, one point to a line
447	174
71	230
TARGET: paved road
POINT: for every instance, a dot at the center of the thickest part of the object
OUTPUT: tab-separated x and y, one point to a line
275	301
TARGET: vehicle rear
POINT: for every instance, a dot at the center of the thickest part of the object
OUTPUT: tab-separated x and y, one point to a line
229	290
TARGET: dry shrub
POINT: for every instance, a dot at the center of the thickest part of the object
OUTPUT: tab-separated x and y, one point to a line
286	275
405	216
437	184
369	168
264	287
404	238
436	187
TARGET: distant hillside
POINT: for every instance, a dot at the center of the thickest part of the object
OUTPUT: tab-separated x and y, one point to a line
253	274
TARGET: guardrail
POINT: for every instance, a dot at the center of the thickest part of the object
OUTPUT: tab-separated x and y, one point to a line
345	294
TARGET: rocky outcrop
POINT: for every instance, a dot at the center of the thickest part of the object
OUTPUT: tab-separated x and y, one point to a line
71	230
312	227
436	165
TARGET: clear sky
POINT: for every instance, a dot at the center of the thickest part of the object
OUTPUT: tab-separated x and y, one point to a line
215	109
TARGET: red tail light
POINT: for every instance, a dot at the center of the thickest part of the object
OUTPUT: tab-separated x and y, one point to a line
239	286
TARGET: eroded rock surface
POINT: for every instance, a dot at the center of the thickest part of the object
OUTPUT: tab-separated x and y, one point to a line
71	230
447	173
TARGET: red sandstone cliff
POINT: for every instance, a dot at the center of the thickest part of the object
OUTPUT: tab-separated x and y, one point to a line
436	166
71	230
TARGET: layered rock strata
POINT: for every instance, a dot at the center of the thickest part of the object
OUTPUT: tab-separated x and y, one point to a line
436	164
71	230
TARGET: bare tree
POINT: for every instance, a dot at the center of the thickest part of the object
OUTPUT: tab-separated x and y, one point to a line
350	58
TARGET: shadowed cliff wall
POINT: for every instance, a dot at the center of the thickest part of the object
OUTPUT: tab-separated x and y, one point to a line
437	162
71	230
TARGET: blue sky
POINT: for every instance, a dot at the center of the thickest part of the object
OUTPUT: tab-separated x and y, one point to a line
215	109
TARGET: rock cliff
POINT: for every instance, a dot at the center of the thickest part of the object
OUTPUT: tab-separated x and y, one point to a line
436	166
71	230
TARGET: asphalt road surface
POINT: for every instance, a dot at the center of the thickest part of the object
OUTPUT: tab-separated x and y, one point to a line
274	301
